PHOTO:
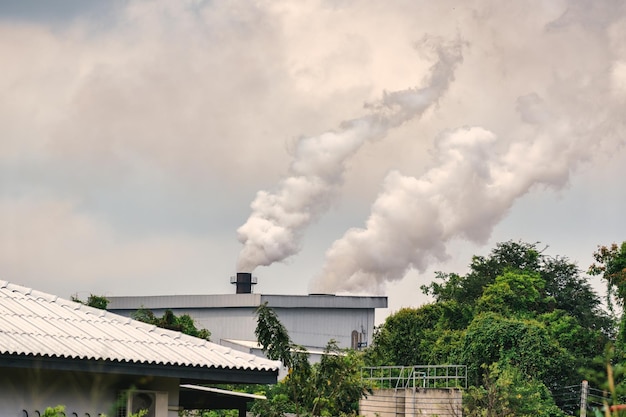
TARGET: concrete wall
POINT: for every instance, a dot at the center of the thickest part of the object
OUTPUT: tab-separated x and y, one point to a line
424	402
382	403
433	402
27	392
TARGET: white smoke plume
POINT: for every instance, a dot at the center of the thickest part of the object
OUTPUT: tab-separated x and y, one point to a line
545	100
274	229
476	178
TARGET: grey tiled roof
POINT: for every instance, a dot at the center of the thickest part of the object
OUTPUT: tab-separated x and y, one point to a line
33	323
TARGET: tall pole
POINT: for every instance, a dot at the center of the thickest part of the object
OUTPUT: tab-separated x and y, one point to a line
584	390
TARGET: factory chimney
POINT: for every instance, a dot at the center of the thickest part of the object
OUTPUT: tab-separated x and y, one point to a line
243	282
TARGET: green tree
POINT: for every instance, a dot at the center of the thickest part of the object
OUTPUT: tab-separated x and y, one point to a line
96	301
563	282
273	336
295	391
425	335
507	392
610	264
483	272
516	308
523	343
184	323
328	388
515	294
338	382
573	294
58	411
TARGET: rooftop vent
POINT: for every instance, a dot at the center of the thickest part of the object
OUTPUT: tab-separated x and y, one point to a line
244	282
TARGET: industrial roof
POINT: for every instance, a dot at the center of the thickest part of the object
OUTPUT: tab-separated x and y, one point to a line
36	324
327	301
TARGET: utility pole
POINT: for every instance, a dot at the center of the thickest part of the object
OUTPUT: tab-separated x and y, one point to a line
584	391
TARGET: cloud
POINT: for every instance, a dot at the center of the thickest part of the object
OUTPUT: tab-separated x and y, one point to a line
54	244
110	125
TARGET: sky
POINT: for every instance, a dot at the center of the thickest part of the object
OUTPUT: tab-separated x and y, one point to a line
344	147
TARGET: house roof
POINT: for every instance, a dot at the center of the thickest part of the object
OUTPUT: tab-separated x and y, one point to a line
34	324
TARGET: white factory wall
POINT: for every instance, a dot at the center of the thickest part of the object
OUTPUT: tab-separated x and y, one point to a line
315	327
312	321
306	326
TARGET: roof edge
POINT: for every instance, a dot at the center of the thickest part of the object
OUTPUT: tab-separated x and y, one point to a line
184	372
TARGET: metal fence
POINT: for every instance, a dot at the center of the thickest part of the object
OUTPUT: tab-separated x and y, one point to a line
418	376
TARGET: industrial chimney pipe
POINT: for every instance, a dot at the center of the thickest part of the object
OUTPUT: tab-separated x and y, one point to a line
244	282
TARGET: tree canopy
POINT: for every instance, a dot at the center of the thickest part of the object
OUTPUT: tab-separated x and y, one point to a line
331	387
517	315
169	320
96	301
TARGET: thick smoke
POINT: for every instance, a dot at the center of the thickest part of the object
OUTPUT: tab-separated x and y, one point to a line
534	98
273	231
553	99
476	178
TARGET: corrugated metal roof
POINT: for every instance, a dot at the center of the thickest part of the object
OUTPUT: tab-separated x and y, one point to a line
40	324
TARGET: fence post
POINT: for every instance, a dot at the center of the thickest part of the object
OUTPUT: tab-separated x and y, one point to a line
584	390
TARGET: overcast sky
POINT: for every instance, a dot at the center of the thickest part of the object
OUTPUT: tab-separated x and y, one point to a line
156	147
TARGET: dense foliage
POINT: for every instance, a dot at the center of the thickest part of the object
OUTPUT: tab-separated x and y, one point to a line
528	327
58	411
610	265
508	392
331	387
169	320
96	301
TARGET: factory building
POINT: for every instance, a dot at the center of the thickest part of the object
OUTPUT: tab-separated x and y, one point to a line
311	320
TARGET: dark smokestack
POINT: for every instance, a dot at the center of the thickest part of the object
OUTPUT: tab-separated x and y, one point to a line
244	282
